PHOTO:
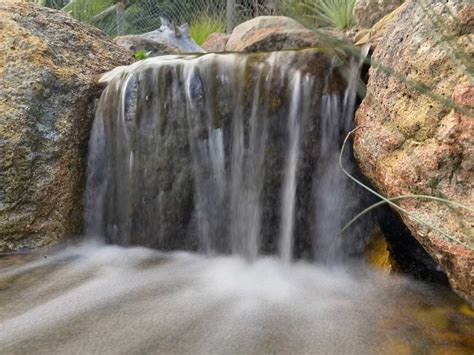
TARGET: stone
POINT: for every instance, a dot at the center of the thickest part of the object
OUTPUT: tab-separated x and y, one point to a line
137	43
416	130
271	33
168	39
374	34
216	42
49	65
368	12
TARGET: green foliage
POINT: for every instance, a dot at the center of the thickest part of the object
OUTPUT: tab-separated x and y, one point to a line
54	4
203	27
86	10
337	13
319	13
114	17
141	54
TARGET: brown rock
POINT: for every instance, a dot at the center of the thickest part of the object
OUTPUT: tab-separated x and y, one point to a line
49	64
417	130
270	33
368	12
216	42
378	30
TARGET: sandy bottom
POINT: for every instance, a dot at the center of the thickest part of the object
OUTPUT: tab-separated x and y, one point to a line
107	299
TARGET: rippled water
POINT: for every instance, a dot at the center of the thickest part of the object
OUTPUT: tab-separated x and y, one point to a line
109	299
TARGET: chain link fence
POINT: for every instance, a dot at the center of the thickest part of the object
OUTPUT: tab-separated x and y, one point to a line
138	16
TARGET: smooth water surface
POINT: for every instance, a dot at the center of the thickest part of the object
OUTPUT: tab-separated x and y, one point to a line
109	299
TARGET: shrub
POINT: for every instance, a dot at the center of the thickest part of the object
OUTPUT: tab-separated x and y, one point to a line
337	13
203	27
319	13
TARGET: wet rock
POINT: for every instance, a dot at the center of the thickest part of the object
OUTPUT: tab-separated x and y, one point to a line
173	183
49	64
216	42
417	129
368	12
270	33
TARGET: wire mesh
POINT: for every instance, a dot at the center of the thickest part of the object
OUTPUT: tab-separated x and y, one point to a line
138	16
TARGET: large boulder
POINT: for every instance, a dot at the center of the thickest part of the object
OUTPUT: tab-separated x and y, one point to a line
49	65
417	128
216	42
270	33
368	12
372	36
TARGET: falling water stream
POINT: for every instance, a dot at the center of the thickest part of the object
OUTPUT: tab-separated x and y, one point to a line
214	206
231	146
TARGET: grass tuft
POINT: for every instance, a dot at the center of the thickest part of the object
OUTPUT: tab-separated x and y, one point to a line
202	27
391	201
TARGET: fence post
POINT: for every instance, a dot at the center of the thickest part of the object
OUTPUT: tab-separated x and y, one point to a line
119	17
230	15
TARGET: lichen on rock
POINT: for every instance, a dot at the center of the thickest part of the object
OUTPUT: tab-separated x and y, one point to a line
49	65
417	129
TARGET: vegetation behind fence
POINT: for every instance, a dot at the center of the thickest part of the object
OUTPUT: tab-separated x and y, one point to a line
137	16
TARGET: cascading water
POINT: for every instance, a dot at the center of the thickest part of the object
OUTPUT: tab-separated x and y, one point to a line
226	154
218	152
333	193
289	184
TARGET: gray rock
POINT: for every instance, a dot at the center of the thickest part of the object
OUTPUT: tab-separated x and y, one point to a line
137	43
168	39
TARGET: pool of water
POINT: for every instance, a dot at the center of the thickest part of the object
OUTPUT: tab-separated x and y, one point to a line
107	299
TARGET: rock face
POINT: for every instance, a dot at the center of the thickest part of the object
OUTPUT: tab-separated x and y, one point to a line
48	68
270	33
417	129
376	33
216	42
368	12
168	39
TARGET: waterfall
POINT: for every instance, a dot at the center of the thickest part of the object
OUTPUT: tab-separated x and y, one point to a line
334	194
220	153
289	184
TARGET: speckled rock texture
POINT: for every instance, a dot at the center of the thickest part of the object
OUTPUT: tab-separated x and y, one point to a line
417	128
376	33
137	43
368	12
271	33
216	42
49	65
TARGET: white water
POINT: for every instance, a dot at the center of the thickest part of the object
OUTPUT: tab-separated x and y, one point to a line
108	299
247	176
289	183
251	168
220	153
